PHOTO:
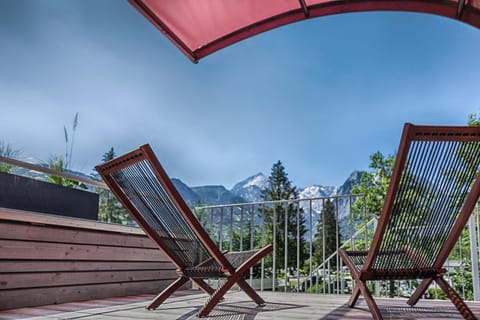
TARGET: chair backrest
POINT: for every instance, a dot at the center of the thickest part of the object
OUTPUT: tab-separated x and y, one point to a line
434	188
143	187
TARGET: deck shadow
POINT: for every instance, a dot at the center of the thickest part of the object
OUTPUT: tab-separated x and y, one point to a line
241	310
394	312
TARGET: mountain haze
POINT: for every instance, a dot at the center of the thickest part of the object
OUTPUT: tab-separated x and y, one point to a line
214	195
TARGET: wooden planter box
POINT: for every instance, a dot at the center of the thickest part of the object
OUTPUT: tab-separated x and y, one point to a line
22	193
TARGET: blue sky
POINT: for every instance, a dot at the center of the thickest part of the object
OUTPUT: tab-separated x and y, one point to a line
319	95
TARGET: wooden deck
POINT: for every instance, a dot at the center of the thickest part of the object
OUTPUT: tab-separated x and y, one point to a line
184	305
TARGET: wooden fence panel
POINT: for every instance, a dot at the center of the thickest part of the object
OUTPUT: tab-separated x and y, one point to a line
19	250
16	266
12	231
46	259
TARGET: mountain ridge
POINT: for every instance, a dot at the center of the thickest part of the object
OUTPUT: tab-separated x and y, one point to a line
249	190
245	191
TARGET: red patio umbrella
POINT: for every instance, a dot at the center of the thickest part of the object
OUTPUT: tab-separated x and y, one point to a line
201	27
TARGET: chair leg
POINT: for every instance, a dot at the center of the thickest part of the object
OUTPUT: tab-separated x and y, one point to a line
204	286
167	292
372	305
455	298
354	297
419	291
360	287
236	277
216	297
250	292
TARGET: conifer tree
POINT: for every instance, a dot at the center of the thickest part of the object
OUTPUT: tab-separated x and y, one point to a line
326	231
110	209
280	188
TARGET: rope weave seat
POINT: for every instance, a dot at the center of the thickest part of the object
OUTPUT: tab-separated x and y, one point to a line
141	184
434	188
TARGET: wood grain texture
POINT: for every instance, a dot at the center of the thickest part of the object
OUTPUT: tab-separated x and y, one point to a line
53	220
30	250
48	233
27	266
10	299
56	279
46	259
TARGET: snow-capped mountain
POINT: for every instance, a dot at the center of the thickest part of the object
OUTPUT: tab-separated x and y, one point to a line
317	191
250	189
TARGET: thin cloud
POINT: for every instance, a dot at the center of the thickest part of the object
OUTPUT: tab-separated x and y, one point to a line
320	95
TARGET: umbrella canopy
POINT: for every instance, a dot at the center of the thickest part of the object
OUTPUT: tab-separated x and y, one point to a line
201	27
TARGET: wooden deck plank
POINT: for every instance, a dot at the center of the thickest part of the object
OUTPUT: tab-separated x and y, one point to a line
46	233
43	296
56	279
24	266
55	220
237	305
13	249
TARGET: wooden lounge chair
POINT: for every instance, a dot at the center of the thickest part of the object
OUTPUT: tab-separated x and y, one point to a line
433	190
142	186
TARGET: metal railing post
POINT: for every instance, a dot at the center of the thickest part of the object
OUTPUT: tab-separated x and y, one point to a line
274	257
298	247
251	238
285	243
322	213
337	236
474	259
310	246
231	229
241	228
262	275
330	272
221	229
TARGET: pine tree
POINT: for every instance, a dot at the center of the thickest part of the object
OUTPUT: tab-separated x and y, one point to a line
280	188
326	231
110	209
109	155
